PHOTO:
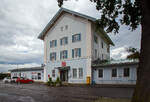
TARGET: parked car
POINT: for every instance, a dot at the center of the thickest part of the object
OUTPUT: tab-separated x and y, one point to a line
14	79
24	80
7	80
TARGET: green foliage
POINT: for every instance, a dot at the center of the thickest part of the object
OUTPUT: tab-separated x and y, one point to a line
3	75
58	81
104	99
135	53
117	12
49	83
54	83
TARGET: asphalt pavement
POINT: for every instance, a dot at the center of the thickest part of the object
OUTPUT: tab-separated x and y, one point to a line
38	92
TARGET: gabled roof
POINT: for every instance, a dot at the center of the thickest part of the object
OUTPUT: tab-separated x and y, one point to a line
27	69
58	14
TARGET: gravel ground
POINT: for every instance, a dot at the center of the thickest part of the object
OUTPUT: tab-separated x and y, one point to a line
38	92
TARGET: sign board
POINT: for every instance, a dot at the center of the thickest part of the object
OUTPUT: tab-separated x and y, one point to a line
63	64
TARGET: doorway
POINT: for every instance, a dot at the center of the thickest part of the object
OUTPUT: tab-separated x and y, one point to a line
64	75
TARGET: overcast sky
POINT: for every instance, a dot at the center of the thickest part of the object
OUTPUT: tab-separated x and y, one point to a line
21	21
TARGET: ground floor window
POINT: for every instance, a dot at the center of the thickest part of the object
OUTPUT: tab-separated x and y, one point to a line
39	76
80	72
34	76
74	73
126	72
53	73
100	73
114	72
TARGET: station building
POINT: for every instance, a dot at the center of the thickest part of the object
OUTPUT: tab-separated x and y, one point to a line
72	42
34	73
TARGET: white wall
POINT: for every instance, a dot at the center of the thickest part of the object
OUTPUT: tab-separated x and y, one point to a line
75	25
28	74
76	63
120	79
100	50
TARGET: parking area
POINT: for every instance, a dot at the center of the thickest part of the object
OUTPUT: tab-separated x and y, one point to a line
38	92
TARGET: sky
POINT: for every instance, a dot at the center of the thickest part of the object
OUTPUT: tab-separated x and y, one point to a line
21	21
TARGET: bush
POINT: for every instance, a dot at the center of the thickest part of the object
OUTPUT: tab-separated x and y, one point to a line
58	82
49	83
54	83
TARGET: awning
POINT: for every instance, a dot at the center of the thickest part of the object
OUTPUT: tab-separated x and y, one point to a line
64	68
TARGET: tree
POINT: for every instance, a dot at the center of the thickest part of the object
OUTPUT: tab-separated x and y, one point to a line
134	53
131	13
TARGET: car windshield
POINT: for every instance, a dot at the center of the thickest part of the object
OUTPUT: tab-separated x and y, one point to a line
15	77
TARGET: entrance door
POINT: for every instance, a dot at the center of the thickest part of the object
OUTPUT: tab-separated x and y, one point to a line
64	75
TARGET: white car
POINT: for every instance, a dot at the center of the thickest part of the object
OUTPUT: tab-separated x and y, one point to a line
7	80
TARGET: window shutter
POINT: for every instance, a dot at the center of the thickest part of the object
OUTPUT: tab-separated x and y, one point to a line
79	37
60	41
66	40
55	55
50	44
72	38
79	52
72	53
55	42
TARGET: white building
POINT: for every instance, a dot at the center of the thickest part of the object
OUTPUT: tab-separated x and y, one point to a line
115	72
71	43
34	73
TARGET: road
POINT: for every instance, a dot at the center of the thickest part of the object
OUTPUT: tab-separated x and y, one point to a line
41	93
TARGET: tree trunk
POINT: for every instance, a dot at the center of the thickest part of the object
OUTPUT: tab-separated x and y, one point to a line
142	90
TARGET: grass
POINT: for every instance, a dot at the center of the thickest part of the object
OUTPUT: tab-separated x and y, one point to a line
103	99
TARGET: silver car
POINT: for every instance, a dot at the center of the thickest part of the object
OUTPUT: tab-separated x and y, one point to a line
7	80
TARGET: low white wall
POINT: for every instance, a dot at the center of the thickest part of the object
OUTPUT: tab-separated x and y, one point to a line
28	74
120	79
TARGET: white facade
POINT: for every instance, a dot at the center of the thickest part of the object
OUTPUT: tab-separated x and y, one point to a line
34	74
120	77
67	25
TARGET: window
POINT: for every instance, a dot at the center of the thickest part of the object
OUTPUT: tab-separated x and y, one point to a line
39	76
95	53
34	76
126	72
95	39
53	43
61	28
114	72
74	73
53	73
102	44
80	72
64	54
66	27
100	73
64	41
52	56
76	52
76	37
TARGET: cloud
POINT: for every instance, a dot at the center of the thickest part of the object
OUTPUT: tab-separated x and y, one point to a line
119	53
21	21
6	67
